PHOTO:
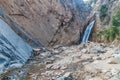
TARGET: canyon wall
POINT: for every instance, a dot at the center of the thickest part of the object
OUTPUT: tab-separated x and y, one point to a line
49	22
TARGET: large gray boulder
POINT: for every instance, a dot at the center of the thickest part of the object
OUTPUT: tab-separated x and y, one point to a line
14	52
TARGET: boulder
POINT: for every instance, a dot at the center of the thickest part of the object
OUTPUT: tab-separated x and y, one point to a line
14	52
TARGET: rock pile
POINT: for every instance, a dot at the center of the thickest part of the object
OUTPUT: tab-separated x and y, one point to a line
90	61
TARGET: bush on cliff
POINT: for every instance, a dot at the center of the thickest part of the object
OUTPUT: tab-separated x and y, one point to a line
113	32
116	19
108	35
103	11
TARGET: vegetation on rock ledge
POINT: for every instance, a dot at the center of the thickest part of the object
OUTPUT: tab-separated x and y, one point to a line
113	32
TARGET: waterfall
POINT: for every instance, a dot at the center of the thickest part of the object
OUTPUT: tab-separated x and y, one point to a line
87	32
14	52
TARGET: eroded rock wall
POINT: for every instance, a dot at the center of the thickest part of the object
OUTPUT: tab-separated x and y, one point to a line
50	22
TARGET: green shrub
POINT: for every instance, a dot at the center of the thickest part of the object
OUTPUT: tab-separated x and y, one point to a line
108	34
113	31
116	19
103	11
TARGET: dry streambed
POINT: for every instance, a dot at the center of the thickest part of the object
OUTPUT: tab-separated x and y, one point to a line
90	61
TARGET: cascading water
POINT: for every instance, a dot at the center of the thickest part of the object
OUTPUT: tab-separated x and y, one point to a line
87	32
14	52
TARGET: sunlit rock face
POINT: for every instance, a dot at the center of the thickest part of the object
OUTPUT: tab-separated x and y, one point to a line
14	52
50	22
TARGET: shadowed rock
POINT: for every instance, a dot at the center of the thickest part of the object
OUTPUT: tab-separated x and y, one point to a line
14	52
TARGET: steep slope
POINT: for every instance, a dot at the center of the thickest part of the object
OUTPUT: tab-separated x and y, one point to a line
50	22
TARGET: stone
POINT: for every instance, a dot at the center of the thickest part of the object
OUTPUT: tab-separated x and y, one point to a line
114	71
113	60
49	66
58	72
84	50
64	78
96	78
57	51
96	58
56	66
86	57
63	67
92	69
36	51
67	74
48	73
108	54
30	74
48	62
45	54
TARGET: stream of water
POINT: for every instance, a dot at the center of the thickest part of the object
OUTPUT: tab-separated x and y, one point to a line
87	32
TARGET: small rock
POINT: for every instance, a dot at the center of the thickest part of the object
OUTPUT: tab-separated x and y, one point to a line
63	67
84	50
45	54
36	51
92	70
106	55
56	51
56	67
114	71
48	62
86	57
96	78
108	75
97	58
52	59
100	50
30	73
112	61
64	78
68	74
49	66
58	73
48	73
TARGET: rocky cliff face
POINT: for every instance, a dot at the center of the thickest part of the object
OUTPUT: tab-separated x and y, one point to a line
107	9
50	22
